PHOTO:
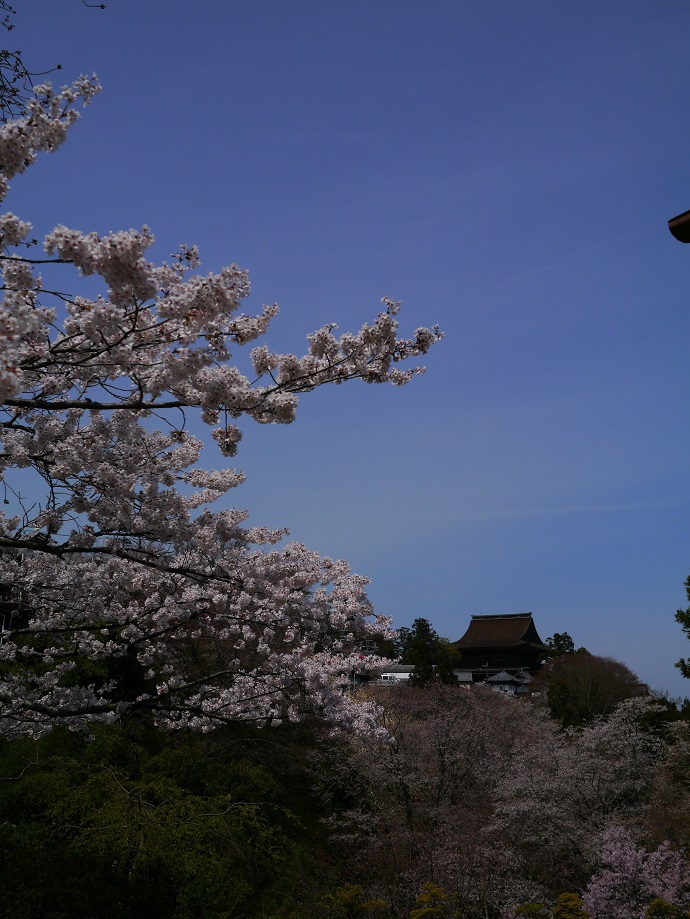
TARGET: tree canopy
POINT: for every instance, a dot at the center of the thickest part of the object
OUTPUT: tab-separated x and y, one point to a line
561	643
112	559
433	657
580	687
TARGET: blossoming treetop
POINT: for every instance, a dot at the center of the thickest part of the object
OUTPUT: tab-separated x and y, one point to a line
119	559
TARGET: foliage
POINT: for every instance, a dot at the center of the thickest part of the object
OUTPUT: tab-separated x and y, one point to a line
433	657
349	902
660	909
477	801
134	822
561	643
532	911
683	619
119	556
432	901
581	687
569	906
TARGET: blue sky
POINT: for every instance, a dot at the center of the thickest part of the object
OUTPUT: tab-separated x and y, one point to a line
507	171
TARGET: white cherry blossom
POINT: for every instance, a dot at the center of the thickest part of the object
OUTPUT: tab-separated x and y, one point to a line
120	587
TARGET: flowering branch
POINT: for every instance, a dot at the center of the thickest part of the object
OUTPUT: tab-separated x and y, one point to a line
122	559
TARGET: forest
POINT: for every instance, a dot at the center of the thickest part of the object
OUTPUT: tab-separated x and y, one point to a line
474	804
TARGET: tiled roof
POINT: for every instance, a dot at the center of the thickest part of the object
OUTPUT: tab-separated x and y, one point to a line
505	677
500	631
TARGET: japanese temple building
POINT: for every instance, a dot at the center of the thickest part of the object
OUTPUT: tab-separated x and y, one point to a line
496	648
504	652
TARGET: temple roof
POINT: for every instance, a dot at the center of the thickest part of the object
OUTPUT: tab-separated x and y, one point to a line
508	631
504	677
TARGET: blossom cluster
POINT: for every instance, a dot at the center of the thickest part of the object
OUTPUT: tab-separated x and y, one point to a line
630	878
117	556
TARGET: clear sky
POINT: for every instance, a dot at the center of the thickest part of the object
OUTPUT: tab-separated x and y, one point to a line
506	170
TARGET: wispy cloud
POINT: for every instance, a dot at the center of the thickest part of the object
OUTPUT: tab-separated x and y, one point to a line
568	510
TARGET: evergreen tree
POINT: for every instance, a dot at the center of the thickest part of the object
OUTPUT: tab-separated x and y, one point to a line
683	619
561	643
433	657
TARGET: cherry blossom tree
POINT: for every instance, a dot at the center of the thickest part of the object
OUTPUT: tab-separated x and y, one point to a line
120	588
484	796
630	878
557	797
667	816
415	810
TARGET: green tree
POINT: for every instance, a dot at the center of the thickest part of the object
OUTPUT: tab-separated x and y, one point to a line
661	909
432	901
350	902
683	619
561	643
134	822
434	658
569	906
579	687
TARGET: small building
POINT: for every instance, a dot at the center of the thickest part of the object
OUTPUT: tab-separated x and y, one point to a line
512	683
